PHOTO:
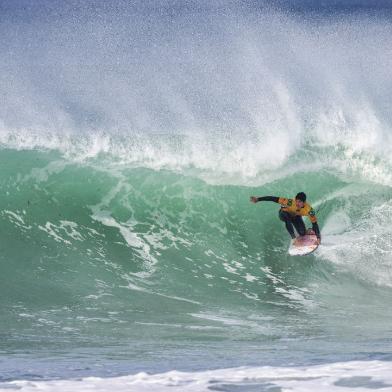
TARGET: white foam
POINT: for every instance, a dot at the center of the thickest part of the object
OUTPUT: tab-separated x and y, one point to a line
236	324
296	295
341	376
17	219
53	231
363	246
42	174
286	85
250	278
101	213
133	286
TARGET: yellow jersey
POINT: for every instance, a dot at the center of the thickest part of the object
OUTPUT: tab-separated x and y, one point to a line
290	206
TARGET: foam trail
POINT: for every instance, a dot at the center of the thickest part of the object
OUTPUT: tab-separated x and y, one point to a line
364	245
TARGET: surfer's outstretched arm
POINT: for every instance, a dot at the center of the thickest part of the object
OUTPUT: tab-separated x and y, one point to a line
255	199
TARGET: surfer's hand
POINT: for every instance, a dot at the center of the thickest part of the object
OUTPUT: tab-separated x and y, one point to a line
318	241
253	199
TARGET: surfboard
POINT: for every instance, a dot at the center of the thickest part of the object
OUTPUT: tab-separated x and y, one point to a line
304	245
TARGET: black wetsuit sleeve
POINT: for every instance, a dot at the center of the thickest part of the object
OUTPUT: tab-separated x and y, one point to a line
316	229
269	198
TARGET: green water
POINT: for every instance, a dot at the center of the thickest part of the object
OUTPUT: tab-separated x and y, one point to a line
138	265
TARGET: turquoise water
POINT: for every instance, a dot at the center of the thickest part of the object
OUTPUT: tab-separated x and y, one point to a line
131	138
142	269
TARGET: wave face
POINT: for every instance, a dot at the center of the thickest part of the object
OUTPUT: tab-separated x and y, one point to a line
131	139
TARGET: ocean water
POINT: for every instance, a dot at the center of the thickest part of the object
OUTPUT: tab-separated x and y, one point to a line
132	135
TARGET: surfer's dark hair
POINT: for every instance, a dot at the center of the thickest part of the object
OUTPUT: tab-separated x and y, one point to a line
301	196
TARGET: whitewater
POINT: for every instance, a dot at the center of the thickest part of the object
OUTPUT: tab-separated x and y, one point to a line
132	135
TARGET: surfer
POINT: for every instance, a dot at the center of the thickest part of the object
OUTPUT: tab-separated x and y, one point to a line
292	211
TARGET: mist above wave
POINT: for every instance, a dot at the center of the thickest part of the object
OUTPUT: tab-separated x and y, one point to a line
229	90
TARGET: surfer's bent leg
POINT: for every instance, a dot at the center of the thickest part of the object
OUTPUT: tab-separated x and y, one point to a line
286	218
299	225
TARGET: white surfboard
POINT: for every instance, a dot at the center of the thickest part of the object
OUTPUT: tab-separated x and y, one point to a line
303	245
